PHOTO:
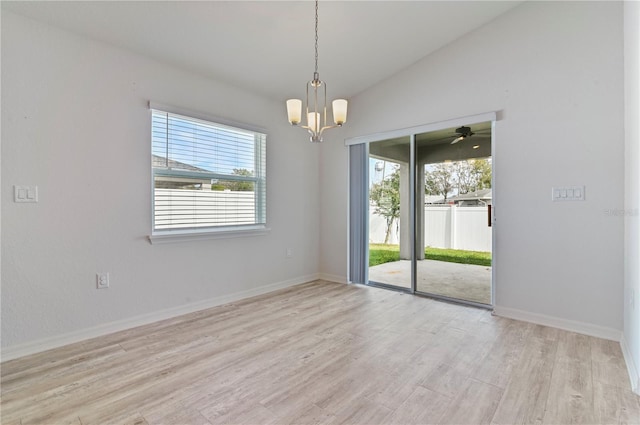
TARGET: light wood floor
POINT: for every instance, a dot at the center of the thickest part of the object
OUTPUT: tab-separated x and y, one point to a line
325	353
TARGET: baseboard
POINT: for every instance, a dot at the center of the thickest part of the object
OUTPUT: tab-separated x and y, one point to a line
556	322
44	344
632	368
333	278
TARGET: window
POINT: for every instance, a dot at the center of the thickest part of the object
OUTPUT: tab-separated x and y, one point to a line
207	177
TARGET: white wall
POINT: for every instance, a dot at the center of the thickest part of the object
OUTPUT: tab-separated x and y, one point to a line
554	70
632	189
75	123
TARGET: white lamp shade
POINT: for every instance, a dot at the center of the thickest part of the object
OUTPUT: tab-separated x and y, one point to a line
313	121
340	111
294	111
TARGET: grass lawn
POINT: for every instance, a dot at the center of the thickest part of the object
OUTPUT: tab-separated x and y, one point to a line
381	253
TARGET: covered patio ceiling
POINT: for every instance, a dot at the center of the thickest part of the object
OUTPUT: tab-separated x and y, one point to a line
435	146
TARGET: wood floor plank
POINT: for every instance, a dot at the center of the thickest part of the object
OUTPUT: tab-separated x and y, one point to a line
608	363
571	395
455	367
363	412
615	405
129	417
135	419
80	360
179	415
418	368
423	406
497	366
355	384
308	415
247	414
476	404
525	397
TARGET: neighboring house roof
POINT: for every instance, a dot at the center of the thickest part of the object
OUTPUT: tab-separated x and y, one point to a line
161	162
484	194
433	199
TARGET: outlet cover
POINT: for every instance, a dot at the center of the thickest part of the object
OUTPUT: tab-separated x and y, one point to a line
102	280
25	193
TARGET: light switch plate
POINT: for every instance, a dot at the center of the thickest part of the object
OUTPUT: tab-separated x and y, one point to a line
25	193
567	193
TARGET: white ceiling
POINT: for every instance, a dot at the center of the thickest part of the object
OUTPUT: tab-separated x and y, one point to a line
268	46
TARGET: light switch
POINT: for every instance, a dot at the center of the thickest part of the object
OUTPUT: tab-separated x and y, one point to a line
25	193
567	193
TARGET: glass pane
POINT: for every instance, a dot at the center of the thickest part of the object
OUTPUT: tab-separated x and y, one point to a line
390	236
185	143
453	196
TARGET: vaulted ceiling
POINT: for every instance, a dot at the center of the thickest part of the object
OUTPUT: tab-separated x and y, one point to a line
268	46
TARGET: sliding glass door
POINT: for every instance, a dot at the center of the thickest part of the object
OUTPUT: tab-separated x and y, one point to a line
424	217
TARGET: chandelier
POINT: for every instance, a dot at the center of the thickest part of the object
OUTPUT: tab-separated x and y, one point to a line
316	104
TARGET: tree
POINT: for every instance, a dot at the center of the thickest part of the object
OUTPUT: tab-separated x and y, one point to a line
235	185
458	177
482	170
439	181
386	197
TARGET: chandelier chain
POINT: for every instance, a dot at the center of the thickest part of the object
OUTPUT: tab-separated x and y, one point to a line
316	73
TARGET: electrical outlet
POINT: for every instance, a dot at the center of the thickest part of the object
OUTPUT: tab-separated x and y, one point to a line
25	193
102	280
289	253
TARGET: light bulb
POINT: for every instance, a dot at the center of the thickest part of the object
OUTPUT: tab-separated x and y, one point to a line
294	111
313	121
340	111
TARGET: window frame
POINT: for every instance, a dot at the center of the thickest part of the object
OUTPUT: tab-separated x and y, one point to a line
159	236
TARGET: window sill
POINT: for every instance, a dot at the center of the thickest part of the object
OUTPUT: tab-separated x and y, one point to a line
197	235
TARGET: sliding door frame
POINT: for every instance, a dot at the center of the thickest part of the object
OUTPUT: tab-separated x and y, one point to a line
411	132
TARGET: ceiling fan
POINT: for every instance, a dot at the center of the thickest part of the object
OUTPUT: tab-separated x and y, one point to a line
481	133
462	132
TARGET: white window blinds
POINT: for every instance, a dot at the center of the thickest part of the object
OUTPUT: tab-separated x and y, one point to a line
206	175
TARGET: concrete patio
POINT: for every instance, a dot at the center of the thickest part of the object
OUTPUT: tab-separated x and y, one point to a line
462	281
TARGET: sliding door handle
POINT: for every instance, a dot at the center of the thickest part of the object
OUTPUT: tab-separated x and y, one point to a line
489	215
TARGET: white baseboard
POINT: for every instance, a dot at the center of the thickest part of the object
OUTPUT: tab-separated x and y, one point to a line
44	344
632	367
556	322
333	278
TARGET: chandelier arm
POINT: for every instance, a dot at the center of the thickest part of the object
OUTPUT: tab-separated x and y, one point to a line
327	127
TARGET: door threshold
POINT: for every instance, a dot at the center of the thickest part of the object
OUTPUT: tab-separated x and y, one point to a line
454	300
389	287
436	297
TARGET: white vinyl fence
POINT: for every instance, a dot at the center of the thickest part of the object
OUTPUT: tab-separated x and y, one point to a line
446	226
176	208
